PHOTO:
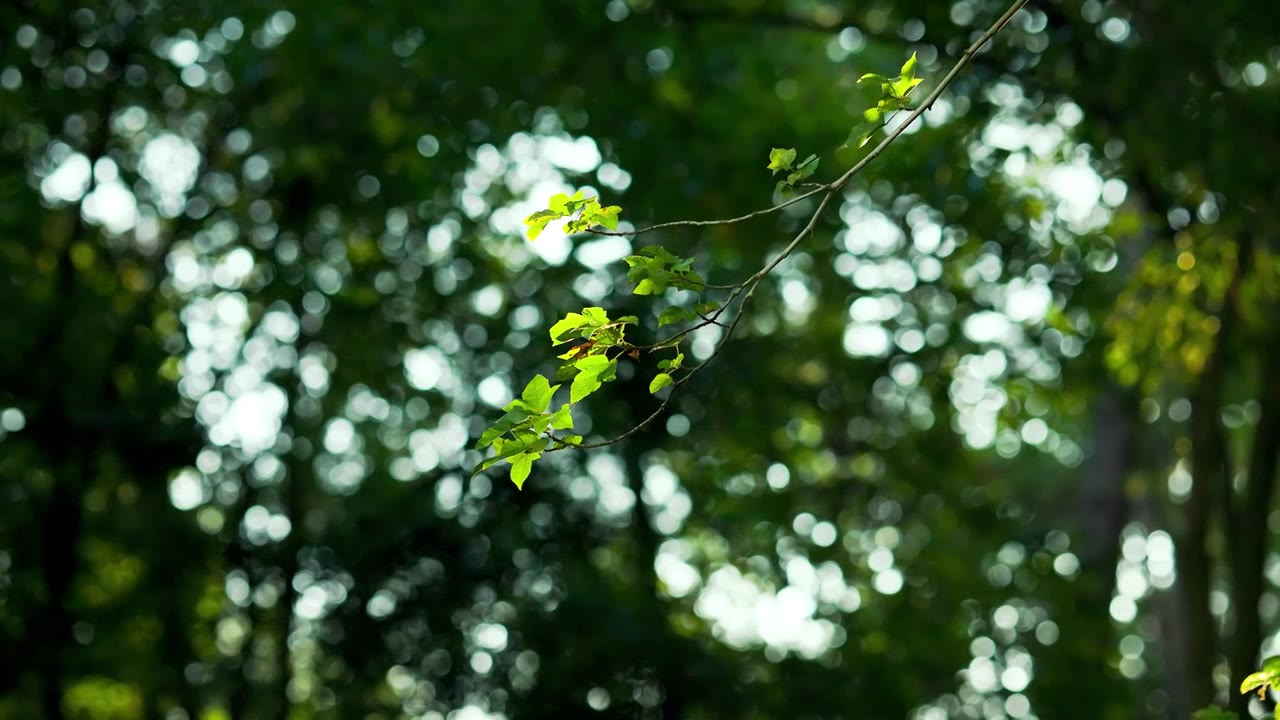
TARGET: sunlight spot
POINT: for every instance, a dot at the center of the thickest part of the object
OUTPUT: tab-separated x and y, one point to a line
69	181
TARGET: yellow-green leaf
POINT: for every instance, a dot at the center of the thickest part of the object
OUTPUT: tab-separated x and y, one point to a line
562	419
521	465
572	321
781	159
1257	680
908	68
659	381
538	393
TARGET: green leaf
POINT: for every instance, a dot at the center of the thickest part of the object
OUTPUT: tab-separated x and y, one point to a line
589	379
596	316
521	465
908	70
871	88
572	321
706	308
538	393
781	159
608	217
672	364
562	419
594	364
573	204
689	281
487	463
506	449
1262	678
804	170
520	404
572	439
872	120
659	381
808	167
537	222
645	287
675	314
902	86
583	385
659	253
514	417
610	373
566	371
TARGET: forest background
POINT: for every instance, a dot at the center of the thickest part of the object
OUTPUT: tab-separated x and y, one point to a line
997	440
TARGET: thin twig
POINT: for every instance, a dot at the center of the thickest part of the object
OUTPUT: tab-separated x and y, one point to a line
704	223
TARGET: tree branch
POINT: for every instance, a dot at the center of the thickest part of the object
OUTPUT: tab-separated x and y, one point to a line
828	191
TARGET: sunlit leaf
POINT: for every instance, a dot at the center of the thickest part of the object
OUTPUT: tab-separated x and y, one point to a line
781	159
589	378
659	381
572	321
672	364
1253	681
538	393
512	419
562	419
608	217
521	465
908	68
872	120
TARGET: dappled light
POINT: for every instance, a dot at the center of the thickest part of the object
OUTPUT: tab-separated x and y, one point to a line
487	361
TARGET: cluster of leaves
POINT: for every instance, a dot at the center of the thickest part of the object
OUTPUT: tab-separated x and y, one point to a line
1267	678
654	270
584	213
597	342
884	97
527	430
783	160
664	378
522	434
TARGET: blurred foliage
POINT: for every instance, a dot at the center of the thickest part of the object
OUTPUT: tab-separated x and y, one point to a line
266	283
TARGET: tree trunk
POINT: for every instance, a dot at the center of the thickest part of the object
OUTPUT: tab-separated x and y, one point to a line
1211	480
1249	536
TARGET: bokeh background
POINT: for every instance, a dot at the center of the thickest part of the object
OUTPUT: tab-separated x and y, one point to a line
997	442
